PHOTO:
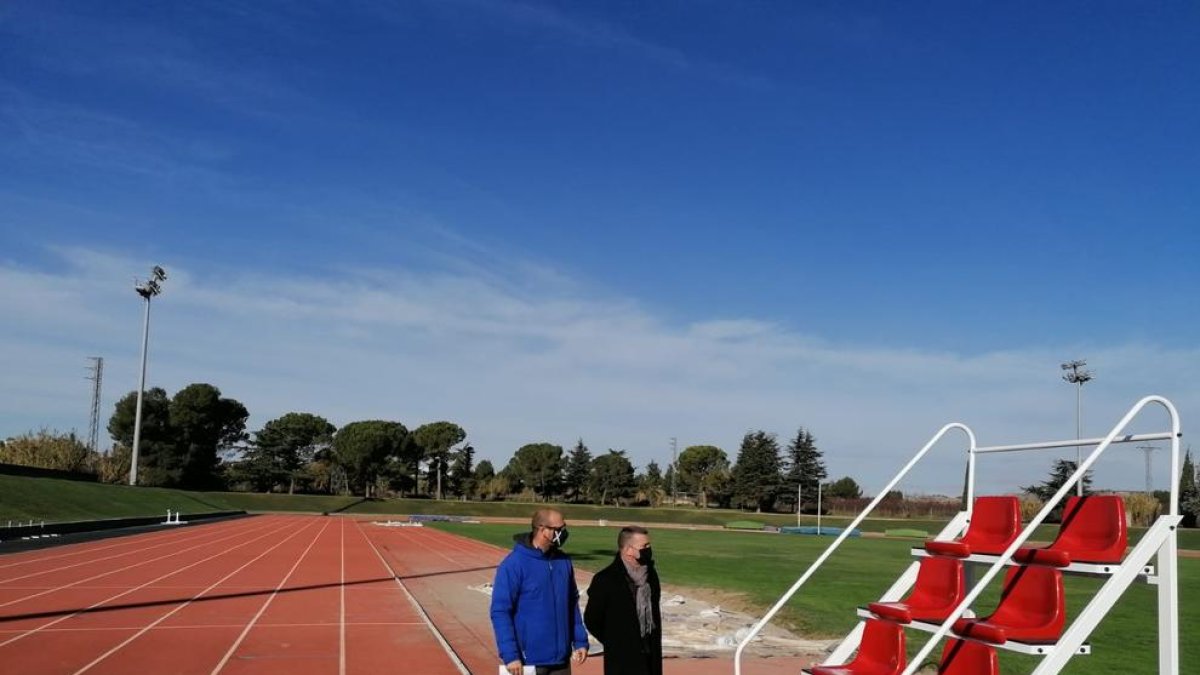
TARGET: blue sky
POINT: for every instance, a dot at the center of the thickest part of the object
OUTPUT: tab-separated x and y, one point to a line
610	220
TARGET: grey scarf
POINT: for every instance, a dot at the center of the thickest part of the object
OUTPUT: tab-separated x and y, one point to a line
639	574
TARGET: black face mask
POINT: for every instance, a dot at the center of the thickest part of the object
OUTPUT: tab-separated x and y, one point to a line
645	556
560	536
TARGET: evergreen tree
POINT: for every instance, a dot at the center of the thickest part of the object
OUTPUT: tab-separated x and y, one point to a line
844	488
701	469
670	483
652	478
539	466
805	469
1189	492
578	471
1062	470
462	471
650	484
756	478
612	476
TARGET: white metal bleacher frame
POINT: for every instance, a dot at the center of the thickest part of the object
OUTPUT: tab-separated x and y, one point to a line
1160	540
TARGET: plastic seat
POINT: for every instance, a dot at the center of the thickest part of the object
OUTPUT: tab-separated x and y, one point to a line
938	591
1032	609
1093	530
881	652
995	523
961	657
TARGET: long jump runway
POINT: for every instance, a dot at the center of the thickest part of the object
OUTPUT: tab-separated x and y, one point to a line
268	595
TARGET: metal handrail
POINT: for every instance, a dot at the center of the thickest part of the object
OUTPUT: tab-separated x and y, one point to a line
737	658
915	663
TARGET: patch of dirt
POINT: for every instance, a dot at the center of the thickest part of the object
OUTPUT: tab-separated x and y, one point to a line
701	623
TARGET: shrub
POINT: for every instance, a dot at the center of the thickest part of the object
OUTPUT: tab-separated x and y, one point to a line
1030	506
1142	509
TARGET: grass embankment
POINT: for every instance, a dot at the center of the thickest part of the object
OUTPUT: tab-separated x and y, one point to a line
759	568
55	500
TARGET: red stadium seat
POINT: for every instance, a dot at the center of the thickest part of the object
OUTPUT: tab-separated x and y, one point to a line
962	657
995	523
1093	531
938	591
881	652
1032	609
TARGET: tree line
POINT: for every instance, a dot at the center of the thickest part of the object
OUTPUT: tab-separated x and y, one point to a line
197	439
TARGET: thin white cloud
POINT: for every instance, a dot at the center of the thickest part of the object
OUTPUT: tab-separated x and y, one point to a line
515	361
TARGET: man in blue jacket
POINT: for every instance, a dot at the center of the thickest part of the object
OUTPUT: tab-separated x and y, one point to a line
535	602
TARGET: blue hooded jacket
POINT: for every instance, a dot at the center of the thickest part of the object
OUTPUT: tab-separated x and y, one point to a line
535	607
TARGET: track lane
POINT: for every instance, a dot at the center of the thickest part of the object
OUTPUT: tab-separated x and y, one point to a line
156	655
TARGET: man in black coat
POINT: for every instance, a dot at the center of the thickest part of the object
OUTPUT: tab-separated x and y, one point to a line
623	608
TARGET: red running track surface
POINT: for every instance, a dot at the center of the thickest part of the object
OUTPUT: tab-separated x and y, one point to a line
279	594
303	595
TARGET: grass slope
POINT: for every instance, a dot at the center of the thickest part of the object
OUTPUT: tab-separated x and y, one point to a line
55	500
760	567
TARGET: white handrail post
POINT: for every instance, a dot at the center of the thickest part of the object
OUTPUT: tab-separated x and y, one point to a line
1168	560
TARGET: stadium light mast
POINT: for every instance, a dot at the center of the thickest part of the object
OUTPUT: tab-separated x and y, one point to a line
1077	375
674	473
147	289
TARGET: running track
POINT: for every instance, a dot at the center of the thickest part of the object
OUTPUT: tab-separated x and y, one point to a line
301	595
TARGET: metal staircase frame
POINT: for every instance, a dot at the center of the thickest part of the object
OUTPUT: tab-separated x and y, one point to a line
1160	541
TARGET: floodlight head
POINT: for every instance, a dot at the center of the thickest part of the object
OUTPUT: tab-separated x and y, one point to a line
152	286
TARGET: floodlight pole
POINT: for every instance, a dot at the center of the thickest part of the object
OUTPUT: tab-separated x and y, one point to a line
150	288
674	473
1077	376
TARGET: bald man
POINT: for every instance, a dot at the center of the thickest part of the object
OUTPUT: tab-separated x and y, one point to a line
535	602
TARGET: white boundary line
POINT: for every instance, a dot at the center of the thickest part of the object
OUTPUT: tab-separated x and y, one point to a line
189	601
84	548
128	567
462	667
4	582
237	643
209	626
342	615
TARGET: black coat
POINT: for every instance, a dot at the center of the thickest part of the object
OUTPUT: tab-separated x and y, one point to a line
611	616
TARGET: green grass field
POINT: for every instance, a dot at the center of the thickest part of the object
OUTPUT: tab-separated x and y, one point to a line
760	567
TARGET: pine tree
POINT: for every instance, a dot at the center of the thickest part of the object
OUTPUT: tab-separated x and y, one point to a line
756	477
805	469
1062	470
1189	492
462	471
578	471
612	476
650	484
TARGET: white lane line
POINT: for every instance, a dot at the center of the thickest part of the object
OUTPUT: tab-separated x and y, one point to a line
462	667
164	617
132	542
246	630
106	600
342	618
89	562
129	567
210	626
